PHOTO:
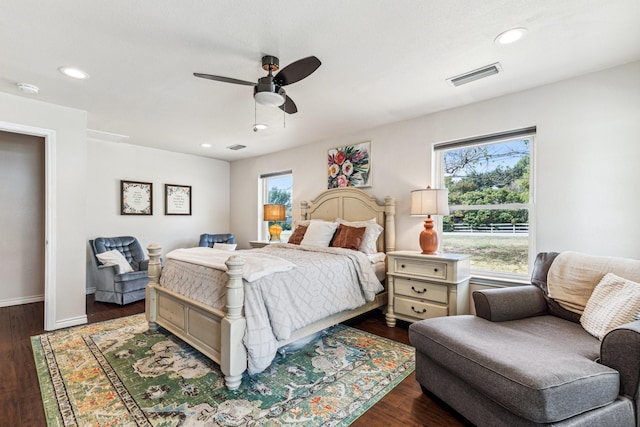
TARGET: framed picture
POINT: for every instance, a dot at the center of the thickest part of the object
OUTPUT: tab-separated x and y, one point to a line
136	198
349	166
177	199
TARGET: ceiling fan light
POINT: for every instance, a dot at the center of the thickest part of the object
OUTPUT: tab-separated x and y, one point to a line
269	99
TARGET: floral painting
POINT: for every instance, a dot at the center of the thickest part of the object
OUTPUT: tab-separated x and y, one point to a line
349	166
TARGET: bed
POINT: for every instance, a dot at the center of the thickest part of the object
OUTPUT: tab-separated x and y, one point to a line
218	332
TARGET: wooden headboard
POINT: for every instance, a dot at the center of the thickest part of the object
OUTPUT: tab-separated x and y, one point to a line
352	204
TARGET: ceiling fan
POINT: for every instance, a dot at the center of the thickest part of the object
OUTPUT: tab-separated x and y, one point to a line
269	90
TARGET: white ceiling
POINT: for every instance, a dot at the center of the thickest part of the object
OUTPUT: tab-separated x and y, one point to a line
382	61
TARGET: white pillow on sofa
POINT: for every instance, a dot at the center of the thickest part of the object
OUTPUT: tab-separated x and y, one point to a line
114	257
370	239
614	302
319	233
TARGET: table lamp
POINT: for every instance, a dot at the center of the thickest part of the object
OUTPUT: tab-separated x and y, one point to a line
429	202
274	213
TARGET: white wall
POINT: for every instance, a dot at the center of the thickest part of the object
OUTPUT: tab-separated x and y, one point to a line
69	208
108	163
587	150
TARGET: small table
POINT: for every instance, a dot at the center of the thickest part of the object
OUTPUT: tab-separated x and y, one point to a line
262	243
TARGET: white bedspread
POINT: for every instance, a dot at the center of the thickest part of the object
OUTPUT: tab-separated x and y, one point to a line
324	281
255	265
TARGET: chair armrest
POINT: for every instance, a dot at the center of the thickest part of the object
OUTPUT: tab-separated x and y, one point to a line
501	304
619	350
144	264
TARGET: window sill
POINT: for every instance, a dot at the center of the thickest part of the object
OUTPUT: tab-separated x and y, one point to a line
498	282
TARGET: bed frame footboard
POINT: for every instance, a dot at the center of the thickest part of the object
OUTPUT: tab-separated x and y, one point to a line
216	334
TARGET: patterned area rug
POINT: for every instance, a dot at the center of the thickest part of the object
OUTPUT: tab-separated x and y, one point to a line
118	373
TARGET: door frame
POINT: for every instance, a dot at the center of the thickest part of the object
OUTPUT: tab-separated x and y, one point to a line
49	136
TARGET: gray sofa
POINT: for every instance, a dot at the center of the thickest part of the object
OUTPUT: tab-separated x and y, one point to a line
112	285
524	360
208	240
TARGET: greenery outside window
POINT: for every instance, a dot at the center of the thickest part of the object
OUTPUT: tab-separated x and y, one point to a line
490	201
276	188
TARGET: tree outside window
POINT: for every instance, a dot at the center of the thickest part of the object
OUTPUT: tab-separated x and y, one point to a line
489	199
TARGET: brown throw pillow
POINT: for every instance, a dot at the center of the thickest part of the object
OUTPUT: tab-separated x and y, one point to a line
348	237
297	235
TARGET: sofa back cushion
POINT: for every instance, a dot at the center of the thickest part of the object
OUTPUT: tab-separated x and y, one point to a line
573	276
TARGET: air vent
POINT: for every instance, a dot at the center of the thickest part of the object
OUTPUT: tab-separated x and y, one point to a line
106	136
474	75
236	147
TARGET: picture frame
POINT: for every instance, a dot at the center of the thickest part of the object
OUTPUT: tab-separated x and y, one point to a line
349	166
136	198
177	199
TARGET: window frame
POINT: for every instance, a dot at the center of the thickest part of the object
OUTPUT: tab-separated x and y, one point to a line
263	197
488	276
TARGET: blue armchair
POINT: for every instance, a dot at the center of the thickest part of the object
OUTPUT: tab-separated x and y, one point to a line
210	239
115	286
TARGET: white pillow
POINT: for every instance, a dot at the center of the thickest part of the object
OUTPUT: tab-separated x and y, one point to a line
614	302
114	257
370	238
319	233
225	246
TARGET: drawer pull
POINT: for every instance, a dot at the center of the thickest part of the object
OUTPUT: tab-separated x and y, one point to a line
435	270
424	310
417	291
401	265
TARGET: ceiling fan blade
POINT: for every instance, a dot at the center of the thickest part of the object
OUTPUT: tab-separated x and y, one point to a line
289	106
224	79
297	71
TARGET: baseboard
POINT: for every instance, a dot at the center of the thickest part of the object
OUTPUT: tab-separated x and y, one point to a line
91	291
72	321
21	300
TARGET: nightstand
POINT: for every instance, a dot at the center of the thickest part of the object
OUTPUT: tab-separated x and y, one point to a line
423	286
262	243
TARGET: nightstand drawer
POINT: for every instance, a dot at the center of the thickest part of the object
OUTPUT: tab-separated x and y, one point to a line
428	269
420	289
418	309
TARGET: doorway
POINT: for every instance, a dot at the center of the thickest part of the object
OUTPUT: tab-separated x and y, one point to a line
22	227
47	241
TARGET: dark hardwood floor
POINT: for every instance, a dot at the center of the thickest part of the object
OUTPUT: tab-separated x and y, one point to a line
21	405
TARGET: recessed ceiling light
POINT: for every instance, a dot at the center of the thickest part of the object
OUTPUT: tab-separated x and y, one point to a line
205	145
74	72
510	36
27	88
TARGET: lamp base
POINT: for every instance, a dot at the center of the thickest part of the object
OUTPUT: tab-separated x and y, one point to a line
274	233
429	238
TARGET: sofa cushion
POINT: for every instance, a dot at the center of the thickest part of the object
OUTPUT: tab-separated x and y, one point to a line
541	368
614	302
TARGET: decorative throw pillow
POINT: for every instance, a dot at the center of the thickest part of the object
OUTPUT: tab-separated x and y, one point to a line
114	257
298	234
319	233
348	237
614	302
225	246
370	238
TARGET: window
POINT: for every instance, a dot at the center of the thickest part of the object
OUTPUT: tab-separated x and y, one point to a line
276	189
490	201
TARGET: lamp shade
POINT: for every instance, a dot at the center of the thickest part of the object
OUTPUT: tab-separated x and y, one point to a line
274	212
429	201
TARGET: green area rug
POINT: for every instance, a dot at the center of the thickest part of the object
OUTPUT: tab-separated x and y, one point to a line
119	373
